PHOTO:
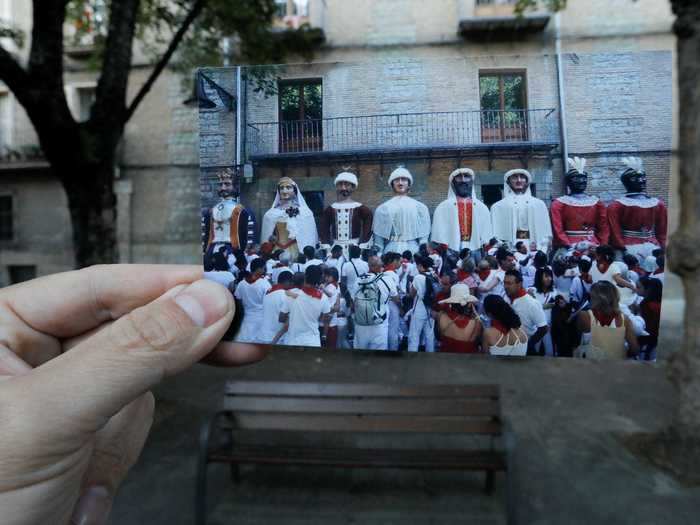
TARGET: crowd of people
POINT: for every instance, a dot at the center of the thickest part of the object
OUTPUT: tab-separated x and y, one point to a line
592	302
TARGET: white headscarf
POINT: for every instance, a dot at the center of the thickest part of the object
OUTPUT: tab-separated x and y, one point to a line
508	191
451	191
302	227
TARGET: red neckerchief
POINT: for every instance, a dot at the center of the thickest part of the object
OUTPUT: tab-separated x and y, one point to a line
250	279
279	265
313	292
658	271
462	275
521	293
498	325
276	287
639	271
484	274
462	321
603	319
587	278
390	267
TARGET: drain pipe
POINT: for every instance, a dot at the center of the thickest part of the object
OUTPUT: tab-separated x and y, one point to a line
239	118
562	97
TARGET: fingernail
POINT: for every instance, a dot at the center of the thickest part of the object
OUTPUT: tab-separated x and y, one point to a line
204	302
93	507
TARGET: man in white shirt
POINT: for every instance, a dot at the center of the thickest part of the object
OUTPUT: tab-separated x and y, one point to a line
336	259
281	266
353	269
376	337
302	313
311	260
530	311
493	283
273	303
391	262
250	292
421	327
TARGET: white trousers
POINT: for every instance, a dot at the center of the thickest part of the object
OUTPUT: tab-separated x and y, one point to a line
250	328
373	337
421	325
394	326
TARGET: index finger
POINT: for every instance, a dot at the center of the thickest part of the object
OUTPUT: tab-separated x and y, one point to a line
71	303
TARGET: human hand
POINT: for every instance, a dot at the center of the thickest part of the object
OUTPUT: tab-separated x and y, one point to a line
79	352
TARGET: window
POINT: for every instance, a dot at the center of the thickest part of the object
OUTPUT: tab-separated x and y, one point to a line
5	123
6	223
301	113
314	200
503	107
21	273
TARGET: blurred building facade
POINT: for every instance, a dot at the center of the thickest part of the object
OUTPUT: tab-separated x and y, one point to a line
437	84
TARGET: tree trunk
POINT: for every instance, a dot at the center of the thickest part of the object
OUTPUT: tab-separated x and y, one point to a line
93	210
679	446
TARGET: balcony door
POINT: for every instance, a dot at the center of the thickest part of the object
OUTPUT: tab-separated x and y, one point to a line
504	115
300	116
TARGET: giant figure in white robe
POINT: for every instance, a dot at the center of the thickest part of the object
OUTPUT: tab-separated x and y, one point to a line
462	221
519	216
290	223
401	223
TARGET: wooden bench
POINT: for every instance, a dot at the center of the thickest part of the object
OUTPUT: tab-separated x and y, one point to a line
362	409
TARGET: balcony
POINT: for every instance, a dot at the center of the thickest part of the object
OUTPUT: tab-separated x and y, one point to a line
496	20
375	135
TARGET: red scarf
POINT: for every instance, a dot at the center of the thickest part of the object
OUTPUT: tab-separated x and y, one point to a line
275	288
498	325
484	274
390	267
521	293
251	279
461	321
279	265
658	271
313	292
462	275
587	278
603	319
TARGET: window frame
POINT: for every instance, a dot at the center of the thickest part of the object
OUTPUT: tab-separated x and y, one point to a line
299	144
502	129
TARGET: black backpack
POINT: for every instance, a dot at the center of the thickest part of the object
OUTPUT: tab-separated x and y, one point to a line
432	288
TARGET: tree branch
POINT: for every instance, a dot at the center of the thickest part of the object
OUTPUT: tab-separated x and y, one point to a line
110	94
16	78
163	62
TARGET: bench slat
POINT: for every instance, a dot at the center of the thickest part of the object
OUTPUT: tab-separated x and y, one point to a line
370	423
398	458
266	388
388	406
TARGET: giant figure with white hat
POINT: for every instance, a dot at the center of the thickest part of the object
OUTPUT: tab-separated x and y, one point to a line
346	221
462	221
401	223
519	216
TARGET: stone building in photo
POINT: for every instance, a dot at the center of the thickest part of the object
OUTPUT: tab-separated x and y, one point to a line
614	60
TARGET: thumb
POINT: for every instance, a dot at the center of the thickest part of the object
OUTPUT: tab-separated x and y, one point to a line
80	390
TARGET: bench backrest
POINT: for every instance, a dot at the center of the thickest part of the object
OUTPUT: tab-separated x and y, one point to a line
356	407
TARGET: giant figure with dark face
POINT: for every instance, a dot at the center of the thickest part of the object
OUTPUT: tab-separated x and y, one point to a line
346	221
229	225
519	216
637	221
462	221
578	217
401	223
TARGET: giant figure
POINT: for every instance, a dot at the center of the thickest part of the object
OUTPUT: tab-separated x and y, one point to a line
578	217
637	222
346	221
462	221
519	216
401	223
289	224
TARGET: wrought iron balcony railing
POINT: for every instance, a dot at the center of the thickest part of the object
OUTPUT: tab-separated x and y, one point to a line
449	129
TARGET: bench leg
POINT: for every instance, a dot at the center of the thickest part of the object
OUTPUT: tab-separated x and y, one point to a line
209	429
488	486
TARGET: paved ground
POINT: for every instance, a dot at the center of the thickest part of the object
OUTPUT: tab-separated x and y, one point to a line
568	416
